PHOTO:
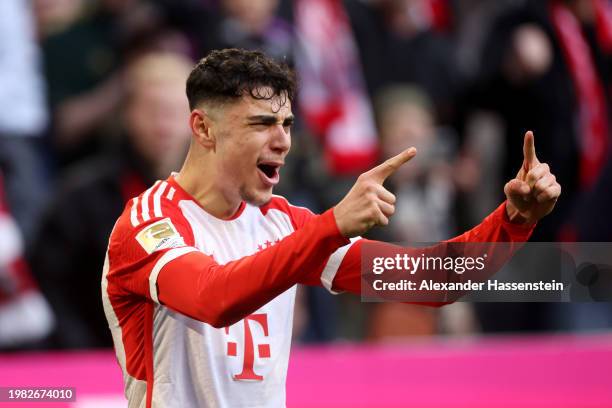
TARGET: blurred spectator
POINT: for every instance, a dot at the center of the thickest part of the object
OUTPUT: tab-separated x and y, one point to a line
80	59
547	66
472	21
83	61
399	42
255	25
23	116
69	253
25	316
425	191
232	23
530	77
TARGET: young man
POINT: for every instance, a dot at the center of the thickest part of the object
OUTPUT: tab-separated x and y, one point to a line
199	279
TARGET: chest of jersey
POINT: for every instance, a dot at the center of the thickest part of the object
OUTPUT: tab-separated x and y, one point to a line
227	240
248	359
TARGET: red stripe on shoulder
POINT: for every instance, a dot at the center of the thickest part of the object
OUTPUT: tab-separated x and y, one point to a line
298	215
123	246
276	203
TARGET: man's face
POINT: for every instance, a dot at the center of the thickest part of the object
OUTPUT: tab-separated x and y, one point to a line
407	124
252	139
156	122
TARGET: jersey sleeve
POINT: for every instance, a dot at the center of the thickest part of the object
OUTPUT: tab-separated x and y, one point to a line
494	228
158	261
139	248
322	274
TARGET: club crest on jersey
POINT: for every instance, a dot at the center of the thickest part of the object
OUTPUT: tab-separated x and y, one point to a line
160	235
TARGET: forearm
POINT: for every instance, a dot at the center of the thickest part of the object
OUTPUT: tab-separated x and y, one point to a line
220	295
493	229
497	227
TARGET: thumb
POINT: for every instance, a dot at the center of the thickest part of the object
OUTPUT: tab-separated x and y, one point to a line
530	159
390	166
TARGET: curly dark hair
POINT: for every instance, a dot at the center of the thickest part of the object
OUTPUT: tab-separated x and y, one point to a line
228	74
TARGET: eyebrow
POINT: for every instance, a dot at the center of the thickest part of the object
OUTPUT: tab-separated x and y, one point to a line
270	119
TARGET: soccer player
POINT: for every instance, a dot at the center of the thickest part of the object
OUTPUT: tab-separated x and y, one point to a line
200	275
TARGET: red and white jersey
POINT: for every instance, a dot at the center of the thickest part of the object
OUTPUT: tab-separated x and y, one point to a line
201	308
170	352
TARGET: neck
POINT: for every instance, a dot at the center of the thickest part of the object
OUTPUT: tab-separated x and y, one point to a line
161	170
198	177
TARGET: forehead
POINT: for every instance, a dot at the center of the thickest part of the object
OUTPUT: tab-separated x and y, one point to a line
277	105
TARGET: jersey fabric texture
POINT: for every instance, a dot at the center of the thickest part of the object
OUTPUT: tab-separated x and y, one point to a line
201	309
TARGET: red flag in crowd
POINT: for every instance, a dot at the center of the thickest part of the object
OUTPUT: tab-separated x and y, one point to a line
332	95
590	92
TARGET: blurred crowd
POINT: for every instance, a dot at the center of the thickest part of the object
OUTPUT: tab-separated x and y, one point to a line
93	111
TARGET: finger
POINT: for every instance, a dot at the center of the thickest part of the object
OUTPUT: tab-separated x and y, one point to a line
536	173
375	216
517	187
386	208
549	194
518	192
384	170
384	195
382	219
530	159
543	183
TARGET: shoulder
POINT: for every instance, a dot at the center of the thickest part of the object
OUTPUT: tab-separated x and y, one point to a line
150	222
298	215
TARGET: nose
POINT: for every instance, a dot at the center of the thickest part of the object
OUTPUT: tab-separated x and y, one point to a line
281	140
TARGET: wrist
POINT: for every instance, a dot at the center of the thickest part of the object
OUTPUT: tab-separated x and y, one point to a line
339	228
514	216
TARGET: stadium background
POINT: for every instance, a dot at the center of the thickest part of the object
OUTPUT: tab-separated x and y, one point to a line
85	124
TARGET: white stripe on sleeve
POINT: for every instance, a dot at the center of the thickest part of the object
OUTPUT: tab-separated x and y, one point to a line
333	264
134	212
169	256
170	194
145	203
157	199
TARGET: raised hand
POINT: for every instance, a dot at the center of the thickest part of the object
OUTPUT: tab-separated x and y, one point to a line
534	191
369	203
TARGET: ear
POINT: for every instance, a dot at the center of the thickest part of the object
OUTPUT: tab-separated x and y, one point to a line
200	123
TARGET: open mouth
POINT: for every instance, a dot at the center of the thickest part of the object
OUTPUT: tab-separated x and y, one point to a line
269	172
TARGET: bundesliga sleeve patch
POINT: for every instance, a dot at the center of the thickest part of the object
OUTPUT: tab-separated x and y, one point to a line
160	235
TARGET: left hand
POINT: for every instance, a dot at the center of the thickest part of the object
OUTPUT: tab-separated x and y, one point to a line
534	192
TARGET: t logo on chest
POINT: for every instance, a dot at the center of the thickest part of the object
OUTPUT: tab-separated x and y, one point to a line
263	349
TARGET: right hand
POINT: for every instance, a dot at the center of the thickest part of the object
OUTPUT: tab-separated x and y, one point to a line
534	191
369	203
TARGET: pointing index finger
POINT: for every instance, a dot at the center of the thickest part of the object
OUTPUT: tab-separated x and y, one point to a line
390	166
529	153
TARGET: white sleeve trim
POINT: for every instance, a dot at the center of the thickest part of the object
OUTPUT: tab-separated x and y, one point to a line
169	256
333	264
